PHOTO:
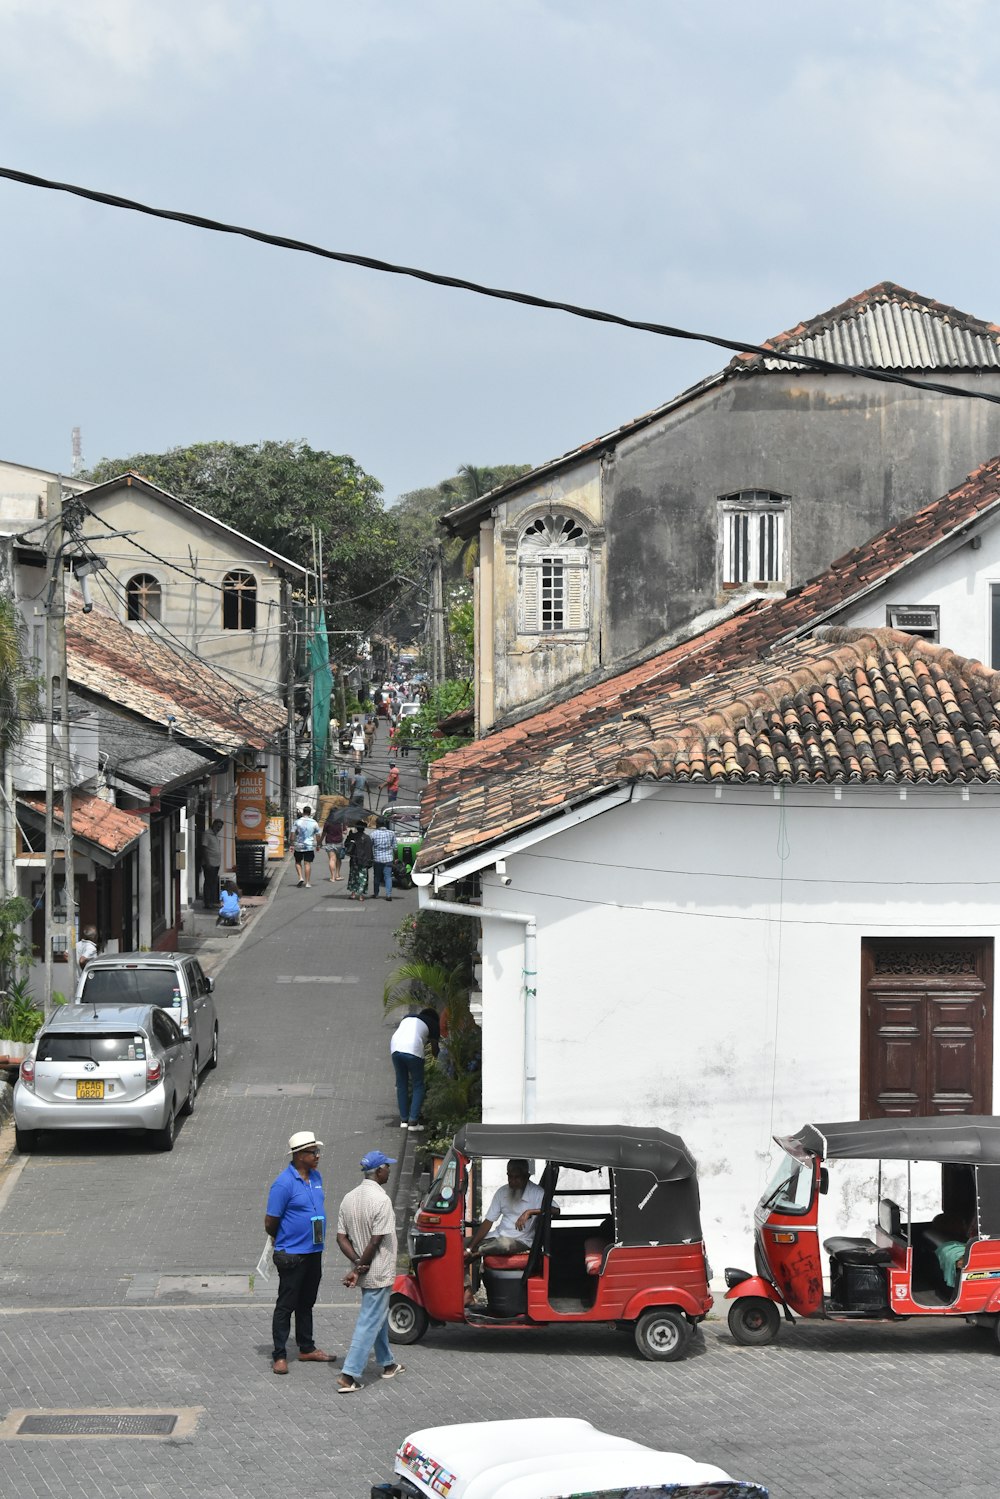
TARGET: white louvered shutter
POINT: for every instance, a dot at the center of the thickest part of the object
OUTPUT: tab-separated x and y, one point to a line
529	602
577	584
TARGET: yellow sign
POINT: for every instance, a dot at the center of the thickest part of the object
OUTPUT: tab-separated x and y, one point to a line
251	812
275	837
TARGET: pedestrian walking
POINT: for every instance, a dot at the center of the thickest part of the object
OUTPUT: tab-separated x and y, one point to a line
369	736
305	831
333	840
296	1220
392	784
357	745
366	1234
211	859
358	847
407	1046
383	841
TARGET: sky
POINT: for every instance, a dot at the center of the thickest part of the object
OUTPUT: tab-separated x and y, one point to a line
730	167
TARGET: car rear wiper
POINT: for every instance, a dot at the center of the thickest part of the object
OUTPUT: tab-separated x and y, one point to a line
75	1056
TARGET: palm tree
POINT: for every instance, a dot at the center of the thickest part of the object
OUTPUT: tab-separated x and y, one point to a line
18	688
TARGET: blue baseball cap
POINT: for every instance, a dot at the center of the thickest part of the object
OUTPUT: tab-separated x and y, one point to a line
376	1158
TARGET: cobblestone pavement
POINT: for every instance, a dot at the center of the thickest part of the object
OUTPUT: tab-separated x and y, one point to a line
124	1282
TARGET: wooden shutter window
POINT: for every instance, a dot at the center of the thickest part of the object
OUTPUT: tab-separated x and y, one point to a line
577	590
529	597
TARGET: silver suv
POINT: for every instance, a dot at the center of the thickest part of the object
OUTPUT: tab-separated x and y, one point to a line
172	980
117	1067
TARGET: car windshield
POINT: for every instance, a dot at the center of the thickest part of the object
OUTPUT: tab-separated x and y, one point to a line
790	1188
148	986
72	1046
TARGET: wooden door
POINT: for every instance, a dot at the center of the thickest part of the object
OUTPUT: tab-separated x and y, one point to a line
927	1026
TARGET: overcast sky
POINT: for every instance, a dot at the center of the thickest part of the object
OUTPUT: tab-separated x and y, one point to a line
732	167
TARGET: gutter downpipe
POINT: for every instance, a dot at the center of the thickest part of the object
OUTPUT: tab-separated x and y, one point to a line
491	913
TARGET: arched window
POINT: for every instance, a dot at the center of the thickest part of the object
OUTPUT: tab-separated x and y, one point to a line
553	576
239	601
143	597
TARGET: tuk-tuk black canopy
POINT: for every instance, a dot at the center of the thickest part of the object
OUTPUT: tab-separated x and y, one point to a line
617	1146
655	1189
970	1138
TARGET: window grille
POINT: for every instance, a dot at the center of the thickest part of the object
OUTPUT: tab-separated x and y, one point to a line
239	601
143	597
553	576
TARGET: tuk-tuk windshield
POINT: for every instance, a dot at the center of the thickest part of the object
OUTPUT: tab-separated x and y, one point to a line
790	1188
446	1188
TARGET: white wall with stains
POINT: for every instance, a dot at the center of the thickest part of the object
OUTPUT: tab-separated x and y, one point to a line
699	967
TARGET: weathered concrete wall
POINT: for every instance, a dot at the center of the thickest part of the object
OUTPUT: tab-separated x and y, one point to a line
852	455
699	967
528	666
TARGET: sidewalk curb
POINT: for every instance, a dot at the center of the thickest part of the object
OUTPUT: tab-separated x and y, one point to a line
234	944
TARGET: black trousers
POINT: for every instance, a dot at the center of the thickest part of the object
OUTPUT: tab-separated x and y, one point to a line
210	886
299	1276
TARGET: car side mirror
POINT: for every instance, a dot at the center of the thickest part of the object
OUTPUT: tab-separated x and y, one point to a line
824	1180
211	984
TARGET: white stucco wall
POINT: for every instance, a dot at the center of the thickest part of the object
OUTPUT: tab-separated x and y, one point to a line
958	583
699	967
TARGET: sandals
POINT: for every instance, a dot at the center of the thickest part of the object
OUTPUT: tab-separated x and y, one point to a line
348	1385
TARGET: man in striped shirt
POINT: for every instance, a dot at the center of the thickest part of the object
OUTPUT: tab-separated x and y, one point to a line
384	850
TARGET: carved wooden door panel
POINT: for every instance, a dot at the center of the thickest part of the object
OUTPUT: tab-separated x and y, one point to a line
927	1026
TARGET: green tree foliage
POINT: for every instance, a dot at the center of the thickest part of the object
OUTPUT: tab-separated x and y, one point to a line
277	492
420	510
18	687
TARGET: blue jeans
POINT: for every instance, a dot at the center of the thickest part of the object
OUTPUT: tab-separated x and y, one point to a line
371	1329
385	871
409	1071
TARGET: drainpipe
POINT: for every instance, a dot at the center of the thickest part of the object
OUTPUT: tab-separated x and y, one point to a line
491	913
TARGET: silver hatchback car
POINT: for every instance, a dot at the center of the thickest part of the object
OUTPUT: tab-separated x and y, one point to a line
116	1067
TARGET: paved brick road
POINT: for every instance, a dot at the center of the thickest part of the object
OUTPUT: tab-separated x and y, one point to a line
90	1230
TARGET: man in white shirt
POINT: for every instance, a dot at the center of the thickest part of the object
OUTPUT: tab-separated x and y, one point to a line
512	1217
305	831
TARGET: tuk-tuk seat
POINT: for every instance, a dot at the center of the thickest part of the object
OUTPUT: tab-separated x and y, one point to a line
595	1251
506	1261
857	1252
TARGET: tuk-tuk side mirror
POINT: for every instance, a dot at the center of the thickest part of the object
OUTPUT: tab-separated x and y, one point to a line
824	1180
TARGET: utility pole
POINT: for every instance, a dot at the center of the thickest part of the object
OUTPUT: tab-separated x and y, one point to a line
56	753
289	618
439	665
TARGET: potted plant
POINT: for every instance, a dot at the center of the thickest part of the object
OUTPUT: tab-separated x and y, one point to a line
20	1020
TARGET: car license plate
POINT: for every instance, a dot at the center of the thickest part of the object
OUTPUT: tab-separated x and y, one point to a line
90	1089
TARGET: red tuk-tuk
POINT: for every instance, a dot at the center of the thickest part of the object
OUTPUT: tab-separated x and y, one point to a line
940	1259
626	1247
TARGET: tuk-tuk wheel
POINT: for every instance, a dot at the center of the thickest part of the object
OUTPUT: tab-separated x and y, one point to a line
662	1334
407	1320
754	1320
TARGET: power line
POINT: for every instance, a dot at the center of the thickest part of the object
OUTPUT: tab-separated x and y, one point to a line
526	299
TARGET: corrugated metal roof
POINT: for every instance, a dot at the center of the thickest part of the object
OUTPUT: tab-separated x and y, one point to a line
886	336
888	328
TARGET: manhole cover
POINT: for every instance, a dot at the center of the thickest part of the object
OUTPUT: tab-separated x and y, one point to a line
179	1422
109	1425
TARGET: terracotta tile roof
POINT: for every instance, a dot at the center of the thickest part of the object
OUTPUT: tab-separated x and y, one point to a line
140	672
95	821
599	737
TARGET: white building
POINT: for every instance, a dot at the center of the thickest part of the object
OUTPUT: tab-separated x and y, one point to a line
761	867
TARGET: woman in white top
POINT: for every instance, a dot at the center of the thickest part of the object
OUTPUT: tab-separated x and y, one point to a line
411	1036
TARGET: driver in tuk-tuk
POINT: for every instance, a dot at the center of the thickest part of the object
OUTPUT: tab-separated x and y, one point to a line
512	1216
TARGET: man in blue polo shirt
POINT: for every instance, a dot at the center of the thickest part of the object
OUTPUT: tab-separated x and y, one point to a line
296	1220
